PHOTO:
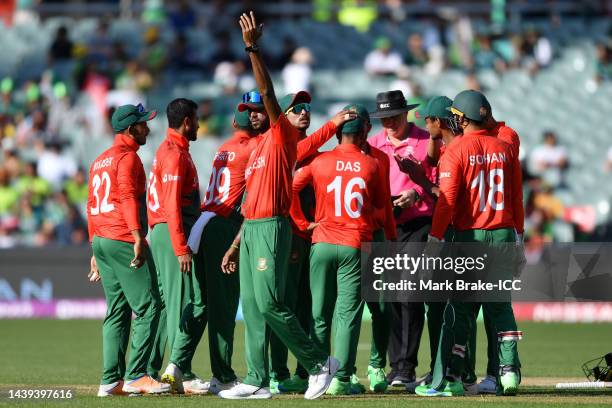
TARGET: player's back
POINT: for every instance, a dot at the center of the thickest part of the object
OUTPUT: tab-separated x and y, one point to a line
105	196
227	182
486	187
347	189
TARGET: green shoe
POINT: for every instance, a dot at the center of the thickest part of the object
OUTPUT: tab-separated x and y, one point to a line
378	379
338	387
293	385
451	389
510	383
356	386
274	386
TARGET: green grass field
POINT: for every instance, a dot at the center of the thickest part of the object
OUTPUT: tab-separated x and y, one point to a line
39	353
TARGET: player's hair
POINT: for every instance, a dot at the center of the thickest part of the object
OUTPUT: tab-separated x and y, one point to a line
178	110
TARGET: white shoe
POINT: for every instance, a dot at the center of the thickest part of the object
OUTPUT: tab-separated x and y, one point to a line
145	385
108	390
174	377
319	382
245	391
196	386
488	385
470	389
215	386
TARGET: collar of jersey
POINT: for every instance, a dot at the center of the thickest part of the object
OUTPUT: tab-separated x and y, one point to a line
121	139
178	139
348	147
482	132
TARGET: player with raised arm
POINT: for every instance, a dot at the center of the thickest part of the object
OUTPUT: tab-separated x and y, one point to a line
265	245
173	207
347	189
121	257
481	192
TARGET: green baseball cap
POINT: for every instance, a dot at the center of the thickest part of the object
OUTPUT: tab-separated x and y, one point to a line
126	115
242	119
382	43
356	125
289	100
471	104
437	107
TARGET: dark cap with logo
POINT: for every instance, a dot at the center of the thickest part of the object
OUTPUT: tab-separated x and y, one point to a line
437	107
471	104
126	115
390	104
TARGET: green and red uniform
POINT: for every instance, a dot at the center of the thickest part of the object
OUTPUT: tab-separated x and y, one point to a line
297	287
115	206
347	189
264	255
223	197
173	207
481	192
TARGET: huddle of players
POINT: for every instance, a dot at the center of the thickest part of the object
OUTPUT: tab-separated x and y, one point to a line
260	219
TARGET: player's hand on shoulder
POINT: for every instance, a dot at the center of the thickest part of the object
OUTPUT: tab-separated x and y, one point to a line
251	32
343	116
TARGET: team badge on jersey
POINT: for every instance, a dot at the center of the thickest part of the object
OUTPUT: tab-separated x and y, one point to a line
262	264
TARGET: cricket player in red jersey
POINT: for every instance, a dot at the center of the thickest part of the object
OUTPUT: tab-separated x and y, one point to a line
221	214
347	189
121	257
173	208
481	192
265	245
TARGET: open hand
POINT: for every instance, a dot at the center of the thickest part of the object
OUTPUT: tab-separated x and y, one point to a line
250	30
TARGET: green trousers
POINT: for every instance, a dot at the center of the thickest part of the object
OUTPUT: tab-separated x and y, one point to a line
456	352
264	257
184	301
435	317
126	290
222	294
297	298
381	322
335	284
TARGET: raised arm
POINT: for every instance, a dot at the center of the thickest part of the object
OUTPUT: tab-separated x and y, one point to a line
251	32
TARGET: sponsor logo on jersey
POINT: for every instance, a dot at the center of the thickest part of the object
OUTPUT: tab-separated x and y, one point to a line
257	164
169	177
262	264
445	174
100	164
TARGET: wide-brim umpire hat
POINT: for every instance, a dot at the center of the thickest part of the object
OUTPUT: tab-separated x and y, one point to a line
390	104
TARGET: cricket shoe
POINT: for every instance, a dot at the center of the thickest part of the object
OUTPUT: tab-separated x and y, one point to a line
426	379
356	386
470	388
509	381
338	387
174	377
145	385
401	378
319	383
488	385
378	379
292	385
108	390
245	391
451	389
215	386
196	386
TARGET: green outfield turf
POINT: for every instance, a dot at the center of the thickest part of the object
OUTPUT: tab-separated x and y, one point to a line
38	353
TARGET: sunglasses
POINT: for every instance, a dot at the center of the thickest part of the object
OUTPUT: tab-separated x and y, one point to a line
297	109
251	97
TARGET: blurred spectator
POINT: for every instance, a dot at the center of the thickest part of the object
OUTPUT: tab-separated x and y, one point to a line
415	53
603	63
211	124
33	130
382	60
154	55
11	163
182	17
8	195
487	58
280	60
233	77
549	160
182	56
609	160
296	75
100	44
76	188
32	185
403	82
537	50
55	167
61	47
65	220
223	51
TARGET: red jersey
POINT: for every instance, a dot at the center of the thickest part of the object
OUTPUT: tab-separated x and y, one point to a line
480	186
383	217
117	187
174	195
508	135
269	172
227	183
347	189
